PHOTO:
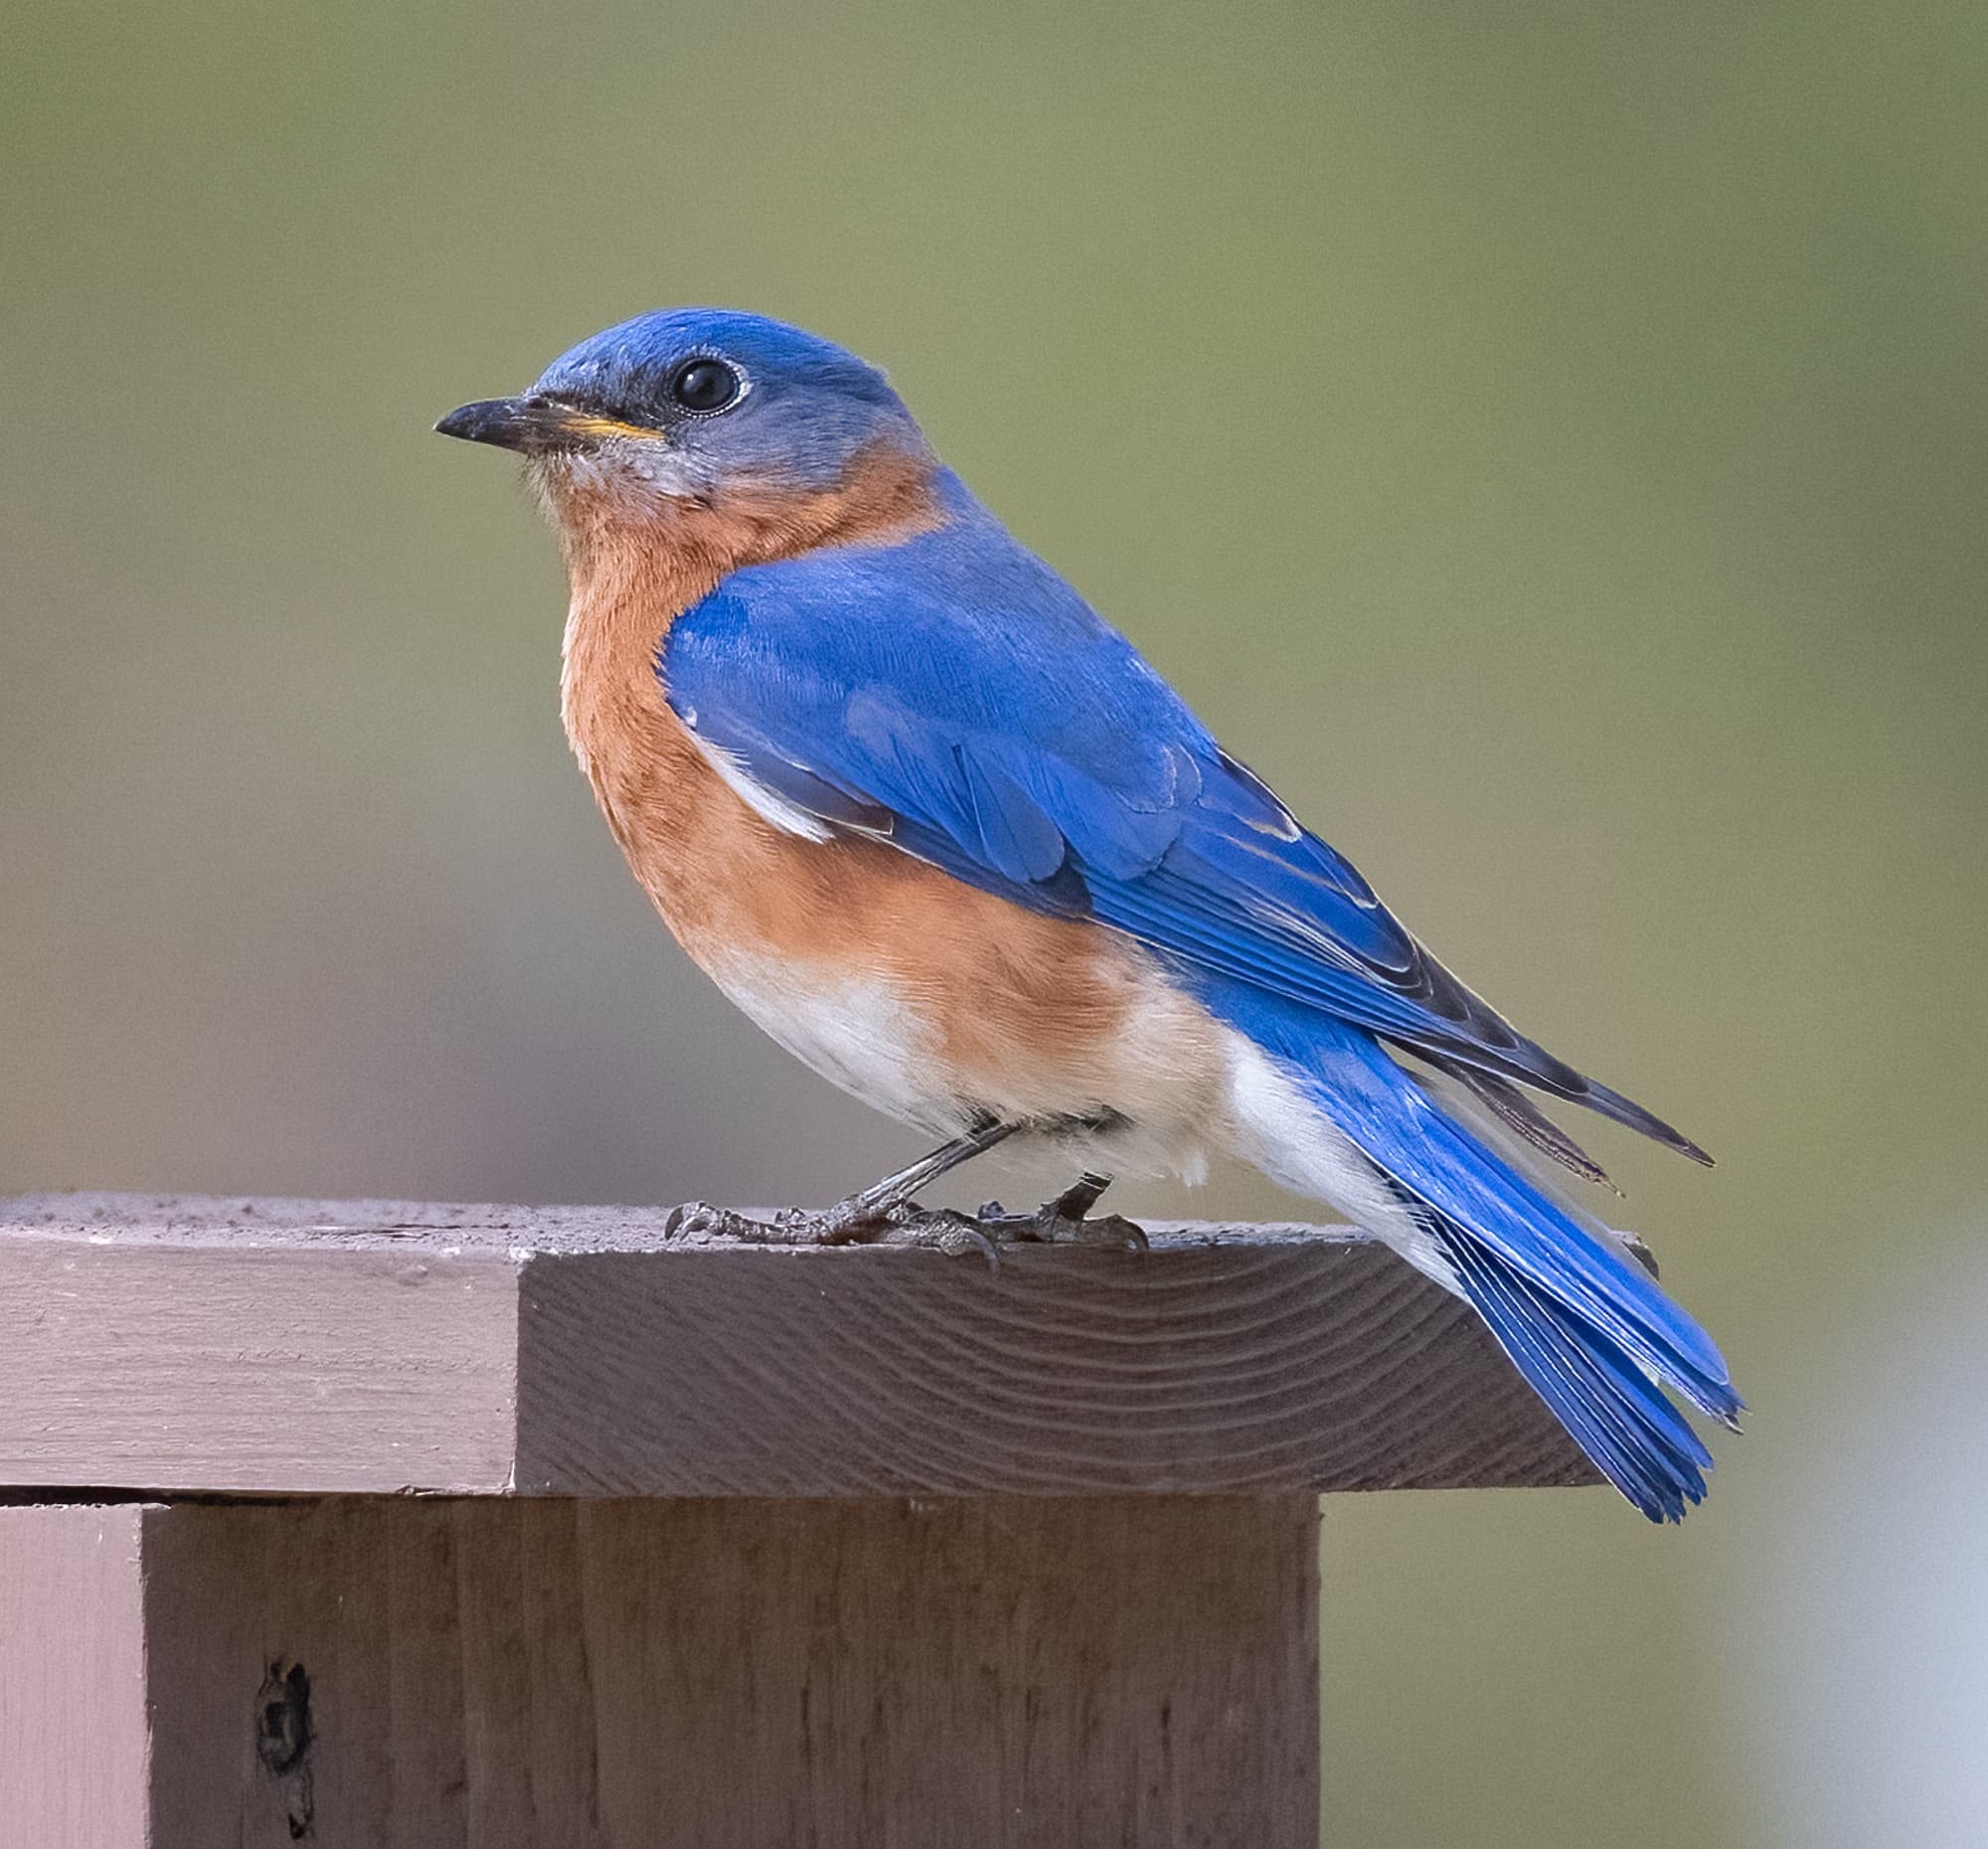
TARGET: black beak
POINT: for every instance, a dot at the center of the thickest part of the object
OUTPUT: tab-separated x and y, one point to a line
534	425
509	422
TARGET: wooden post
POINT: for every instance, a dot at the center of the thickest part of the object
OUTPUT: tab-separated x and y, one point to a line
711	1546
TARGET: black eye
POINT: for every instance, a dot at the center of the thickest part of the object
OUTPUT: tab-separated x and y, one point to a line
704	385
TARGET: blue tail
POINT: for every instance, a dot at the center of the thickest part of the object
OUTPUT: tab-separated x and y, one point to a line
1636	1437
1581	1320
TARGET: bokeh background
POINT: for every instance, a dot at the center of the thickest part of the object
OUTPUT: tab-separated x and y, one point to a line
1547	440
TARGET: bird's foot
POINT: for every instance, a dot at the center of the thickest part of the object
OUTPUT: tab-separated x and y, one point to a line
854	1222
1066	1221
861	1221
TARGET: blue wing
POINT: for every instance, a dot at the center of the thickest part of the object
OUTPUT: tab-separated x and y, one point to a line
953	696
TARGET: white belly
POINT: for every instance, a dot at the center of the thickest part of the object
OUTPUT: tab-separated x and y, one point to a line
1161	1076
856	1032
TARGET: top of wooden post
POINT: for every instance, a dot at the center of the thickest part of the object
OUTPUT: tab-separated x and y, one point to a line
229	1346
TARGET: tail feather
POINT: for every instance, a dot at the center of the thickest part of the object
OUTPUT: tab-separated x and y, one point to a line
1614	1411
1587	1326
1529	1233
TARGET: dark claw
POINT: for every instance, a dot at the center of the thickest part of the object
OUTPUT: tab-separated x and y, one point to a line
1116	1232
696	1219
951	1234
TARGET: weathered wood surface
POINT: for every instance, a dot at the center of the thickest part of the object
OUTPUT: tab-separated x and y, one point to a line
174	1344
580	1674
72	1723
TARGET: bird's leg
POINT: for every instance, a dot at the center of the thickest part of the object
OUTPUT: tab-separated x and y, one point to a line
878	1203
881	1211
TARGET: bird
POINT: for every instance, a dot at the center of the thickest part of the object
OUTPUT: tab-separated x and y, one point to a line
945	835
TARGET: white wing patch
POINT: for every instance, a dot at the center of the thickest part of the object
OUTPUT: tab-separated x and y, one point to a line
768	804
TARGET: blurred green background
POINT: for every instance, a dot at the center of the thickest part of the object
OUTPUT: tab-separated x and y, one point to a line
1547	440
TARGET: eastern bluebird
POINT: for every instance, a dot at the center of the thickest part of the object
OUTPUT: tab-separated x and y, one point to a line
946	837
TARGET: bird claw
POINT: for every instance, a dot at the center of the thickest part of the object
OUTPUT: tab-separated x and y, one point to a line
699	1219
945	1232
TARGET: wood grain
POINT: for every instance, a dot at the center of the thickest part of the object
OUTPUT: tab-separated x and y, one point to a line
151	1343
170	1366
1019	1674
72	1736
1230	1369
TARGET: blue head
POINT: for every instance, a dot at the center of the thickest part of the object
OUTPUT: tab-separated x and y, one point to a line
691	403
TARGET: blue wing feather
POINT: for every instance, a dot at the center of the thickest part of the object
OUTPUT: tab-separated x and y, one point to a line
954	693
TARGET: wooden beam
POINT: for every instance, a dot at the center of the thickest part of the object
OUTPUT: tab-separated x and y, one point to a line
161	1343
520	1674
